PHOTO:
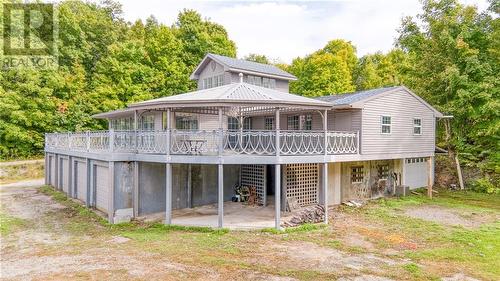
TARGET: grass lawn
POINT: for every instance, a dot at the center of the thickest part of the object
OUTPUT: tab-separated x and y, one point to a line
384	238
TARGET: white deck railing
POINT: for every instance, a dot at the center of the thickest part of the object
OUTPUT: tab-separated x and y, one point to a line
202	142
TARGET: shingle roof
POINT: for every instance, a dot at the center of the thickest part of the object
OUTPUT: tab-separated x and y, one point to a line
242	65
349	98
237	93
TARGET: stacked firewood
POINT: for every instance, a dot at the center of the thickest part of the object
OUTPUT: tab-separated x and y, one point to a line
311	214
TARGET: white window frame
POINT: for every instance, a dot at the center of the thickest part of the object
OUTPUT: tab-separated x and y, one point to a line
382	125
269	123
417	126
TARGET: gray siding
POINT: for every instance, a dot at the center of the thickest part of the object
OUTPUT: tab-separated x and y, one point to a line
344	120
402	107
209	72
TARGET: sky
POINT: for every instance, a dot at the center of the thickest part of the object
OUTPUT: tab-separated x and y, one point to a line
284	30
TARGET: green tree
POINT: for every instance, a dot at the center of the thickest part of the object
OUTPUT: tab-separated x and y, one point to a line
455	67
257	58
379	70
326	71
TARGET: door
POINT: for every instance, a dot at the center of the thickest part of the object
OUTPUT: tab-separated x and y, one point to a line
81	180
416	172
101	178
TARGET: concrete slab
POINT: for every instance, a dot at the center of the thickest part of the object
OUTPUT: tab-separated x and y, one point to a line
237	216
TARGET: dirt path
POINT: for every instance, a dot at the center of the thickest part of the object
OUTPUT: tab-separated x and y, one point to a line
45	249
21	162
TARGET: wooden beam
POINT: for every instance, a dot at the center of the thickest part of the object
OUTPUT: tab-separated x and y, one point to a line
430	181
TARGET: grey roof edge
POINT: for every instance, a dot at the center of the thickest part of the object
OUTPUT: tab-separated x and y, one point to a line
361	97
284	75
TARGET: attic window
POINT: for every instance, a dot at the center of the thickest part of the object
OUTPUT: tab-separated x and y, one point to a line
386	122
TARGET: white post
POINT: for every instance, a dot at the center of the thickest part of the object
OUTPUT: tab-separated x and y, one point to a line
277	196
220	201
277	131
325	165
168	193
136	126
325	189
87	139
169	131
221	138
325	128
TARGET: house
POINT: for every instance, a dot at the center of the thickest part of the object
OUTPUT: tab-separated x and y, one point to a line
181	157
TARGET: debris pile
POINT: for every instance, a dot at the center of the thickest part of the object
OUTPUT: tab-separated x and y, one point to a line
353	203
311	214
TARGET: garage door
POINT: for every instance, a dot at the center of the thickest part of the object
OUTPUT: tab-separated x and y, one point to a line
416	172
65	175
81	181
52	171
102	188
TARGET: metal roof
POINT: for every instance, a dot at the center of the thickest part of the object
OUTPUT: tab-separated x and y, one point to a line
349	98
239	65
236	94
243	93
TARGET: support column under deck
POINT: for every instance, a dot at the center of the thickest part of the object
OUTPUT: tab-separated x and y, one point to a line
277	196
220	195
325	189
168	193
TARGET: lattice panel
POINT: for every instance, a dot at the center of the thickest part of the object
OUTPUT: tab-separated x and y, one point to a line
302	182
254	175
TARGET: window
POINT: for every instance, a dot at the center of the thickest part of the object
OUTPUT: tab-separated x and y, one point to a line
147	123
357	174
122	124
308	122
272	83
386	124
293	122
188	122
417	126
383	171
269	123
416	160
247	123
233	124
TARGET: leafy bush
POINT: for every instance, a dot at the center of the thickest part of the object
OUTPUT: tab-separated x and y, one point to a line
486	185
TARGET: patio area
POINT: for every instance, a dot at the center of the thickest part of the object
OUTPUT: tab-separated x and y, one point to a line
237	216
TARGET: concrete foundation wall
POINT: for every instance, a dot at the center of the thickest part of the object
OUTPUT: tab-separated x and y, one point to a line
151	188
192	185
124	185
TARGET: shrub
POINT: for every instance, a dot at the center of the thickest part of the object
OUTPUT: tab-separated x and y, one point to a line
486	185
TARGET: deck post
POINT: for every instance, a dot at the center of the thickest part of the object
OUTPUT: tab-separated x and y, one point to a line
136	189
430	181
325	128
220	195
277	131
325	189
136	126
168	193
277	196
221	138
325	165
169	131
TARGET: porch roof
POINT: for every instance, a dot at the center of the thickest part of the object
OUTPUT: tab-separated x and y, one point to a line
236	94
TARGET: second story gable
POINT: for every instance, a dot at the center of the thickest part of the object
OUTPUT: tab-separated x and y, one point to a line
216	70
